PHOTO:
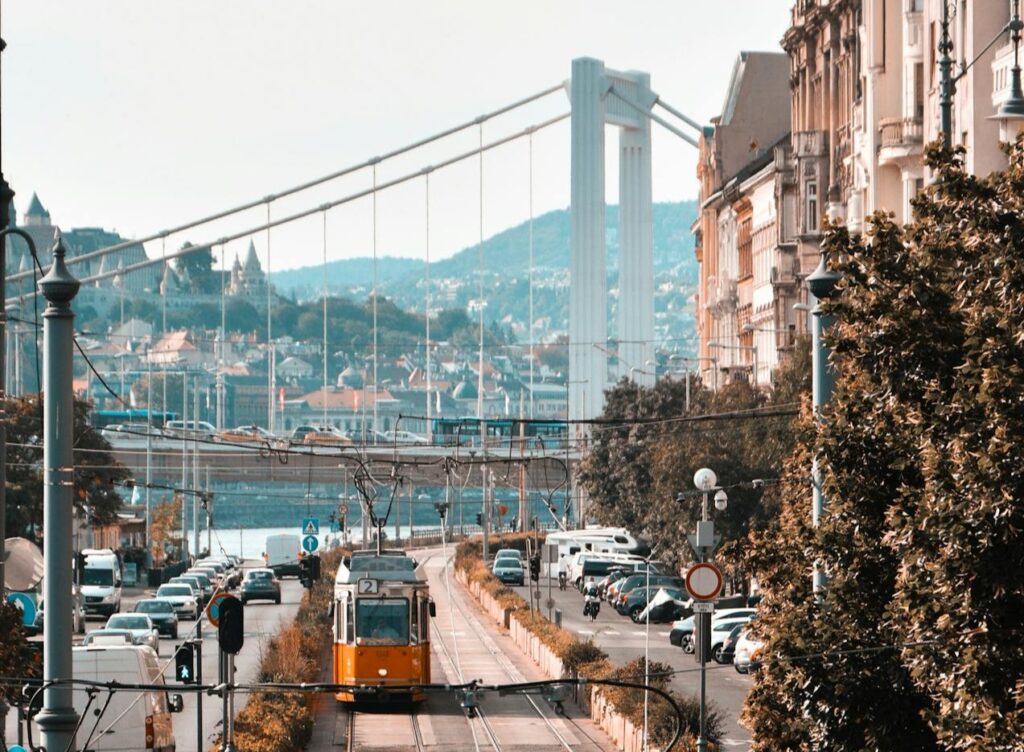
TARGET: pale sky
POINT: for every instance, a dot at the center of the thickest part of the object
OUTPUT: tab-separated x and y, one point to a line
137	116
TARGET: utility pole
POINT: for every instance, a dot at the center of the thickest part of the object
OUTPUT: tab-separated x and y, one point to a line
149	451
946	83
195	467
821	284
57	720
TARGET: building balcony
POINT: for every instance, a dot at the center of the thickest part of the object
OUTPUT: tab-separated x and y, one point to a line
900	139
810	143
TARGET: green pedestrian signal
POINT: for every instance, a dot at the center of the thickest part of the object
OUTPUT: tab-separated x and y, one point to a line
184	664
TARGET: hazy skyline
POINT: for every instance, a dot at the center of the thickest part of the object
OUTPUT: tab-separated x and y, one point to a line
137	117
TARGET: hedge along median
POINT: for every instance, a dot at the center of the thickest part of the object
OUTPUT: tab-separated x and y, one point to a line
276	721
619	710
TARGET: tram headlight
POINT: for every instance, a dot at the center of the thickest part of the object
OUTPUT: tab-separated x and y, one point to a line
382	671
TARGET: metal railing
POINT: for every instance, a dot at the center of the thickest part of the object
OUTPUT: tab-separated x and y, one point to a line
901	131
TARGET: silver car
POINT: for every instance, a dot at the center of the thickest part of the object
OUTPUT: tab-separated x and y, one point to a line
141	627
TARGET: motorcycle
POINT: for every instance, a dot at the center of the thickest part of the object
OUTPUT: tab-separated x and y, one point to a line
562	579
591	608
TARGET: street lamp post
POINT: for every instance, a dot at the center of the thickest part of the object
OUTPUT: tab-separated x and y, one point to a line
822	284
1013	107
57	720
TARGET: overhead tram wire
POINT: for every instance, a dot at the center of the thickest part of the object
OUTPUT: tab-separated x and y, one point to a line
322	207
256	203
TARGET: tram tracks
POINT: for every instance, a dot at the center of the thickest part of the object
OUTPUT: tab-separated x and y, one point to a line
381	728
513	675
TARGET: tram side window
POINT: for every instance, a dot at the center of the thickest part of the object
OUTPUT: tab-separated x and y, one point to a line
425	620
414	631
385	619
339	621
350	622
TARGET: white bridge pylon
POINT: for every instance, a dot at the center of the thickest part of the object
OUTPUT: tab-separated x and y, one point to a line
600	96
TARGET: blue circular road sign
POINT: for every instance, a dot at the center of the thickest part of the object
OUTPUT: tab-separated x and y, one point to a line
310	543
27	606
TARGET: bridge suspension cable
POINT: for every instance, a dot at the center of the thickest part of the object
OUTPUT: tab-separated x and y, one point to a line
317	209
255	203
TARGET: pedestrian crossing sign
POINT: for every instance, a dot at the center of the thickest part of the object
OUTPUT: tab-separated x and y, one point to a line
311	526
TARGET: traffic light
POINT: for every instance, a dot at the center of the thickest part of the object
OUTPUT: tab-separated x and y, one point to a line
314	568
479	518
184	664
535	568
231	626
309	570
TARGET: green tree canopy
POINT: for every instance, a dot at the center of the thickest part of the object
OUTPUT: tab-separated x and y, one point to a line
96	471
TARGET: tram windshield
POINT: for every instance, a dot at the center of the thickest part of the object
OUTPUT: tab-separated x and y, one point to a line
382	621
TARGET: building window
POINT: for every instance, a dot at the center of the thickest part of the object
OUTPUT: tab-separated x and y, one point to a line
811	193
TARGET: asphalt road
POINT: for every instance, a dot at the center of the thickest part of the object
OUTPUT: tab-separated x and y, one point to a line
262	621
624	641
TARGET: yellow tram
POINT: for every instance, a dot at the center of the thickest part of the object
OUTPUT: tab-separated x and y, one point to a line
382	610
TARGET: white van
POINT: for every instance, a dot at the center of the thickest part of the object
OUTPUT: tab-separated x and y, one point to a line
609	540
133	721
282	554
101	582
190	429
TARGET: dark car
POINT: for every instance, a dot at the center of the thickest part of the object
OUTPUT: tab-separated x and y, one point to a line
161	613
614	575
636	600
509	571
635	581
260	585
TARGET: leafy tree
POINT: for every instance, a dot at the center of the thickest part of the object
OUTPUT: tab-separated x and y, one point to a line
916	637
199	265
163	522
635	471
95	477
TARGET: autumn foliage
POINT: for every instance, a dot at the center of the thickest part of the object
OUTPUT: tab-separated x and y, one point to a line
917	641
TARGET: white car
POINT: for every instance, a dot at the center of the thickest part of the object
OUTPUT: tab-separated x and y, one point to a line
404	437
185	604
141	627
720	631
747	648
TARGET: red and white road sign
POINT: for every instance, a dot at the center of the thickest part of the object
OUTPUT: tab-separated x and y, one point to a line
703	581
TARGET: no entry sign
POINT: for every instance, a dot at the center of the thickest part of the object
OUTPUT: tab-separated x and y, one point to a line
703	581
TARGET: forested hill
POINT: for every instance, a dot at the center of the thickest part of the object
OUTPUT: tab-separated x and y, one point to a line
673	252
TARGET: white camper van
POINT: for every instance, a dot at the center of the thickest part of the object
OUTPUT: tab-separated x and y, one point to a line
133	721
101	581
606	540
282	554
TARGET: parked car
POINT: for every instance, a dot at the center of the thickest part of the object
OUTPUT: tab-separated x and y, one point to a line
509	571
636	600
729	646
682	630
720	631
299	433
260	585
141	627
748	650
327	435
637	581
78	616
247	435
161	613
182	597
614	575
